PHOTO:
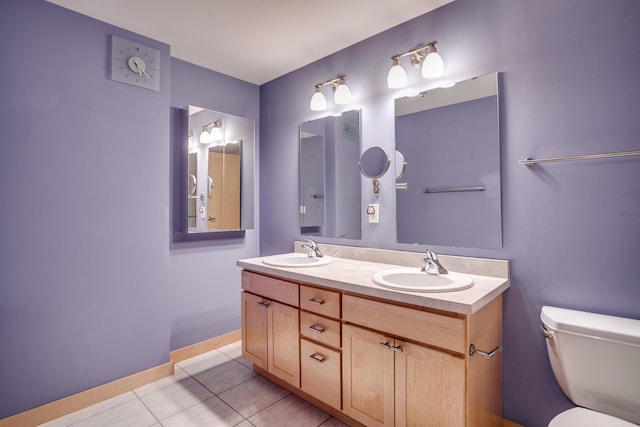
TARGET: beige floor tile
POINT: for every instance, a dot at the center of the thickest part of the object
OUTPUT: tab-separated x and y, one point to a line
90	411
211	412
130	414
333	422
225	376
253	395
234	351
244	423
177	376
204	362
170	400
290	412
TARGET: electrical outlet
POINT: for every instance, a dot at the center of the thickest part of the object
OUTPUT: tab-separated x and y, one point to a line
373	211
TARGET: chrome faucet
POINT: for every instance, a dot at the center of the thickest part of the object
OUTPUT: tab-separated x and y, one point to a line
312	249
432	265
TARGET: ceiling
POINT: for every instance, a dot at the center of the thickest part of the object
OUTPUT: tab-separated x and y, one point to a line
254	40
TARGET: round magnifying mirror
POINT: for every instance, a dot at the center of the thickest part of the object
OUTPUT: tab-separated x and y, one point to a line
374	162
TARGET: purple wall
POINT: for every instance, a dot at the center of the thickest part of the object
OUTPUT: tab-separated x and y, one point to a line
204	283
571	230
93	284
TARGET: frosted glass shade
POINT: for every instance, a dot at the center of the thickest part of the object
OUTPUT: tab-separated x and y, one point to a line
216	134
397	77
342	95
205	137
433	66
318	101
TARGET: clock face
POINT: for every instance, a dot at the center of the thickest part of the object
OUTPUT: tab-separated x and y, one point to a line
135	64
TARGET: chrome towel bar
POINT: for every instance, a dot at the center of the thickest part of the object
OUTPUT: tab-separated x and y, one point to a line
487	355
453	189
531	162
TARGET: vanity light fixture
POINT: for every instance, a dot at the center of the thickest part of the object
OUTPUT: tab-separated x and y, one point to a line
214	135
341	93
425	57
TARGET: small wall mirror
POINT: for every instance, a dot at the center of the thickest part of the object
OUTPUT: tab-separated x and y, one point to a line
449	138
219	171
374	163
329	177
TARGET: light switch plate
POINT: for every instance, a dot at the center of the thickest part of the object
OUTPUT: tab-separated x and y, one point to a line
373	210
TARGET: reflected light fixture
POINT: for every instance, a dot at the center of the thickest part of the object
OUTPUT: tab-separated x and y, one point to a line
341	93
211	136
425	57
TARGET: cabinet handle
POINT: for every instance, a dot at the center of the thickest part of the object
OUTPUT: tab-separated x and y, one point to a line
316	301
385	345
318	357
487	355
317	328
397	348
264	304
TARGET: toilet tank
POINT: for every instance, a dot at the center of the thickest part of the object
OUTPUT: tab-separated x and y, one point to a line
596	360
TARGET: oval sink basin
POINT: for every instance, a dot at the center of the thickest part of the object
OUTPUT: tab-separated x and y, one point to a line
296	260
414	280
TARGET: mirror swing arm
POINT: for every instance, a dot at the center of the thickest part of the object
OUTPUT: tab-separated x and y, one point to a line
374	163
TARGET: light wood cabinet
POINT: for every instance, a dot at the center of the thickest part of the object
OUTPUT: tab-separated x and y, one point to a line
271	330
391	381
320	366
371	362
368	373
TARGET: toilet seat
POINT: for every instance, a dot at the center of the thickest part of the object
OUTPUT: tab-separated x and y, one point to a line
581	417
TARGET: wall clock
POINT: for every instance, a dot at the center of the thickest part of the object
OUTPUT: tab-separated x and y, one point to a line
135	64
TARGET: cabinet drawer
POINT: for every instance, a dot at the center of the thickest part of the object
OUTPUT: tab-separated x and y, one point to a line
447	332
270	287
320	373
320	301
318	328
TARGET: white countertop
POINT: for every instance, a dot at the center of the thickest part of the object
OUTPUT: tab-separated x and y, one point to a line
355	276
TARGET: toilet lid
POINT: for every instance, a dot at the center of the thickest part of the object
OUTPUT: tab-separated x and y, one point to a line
581	417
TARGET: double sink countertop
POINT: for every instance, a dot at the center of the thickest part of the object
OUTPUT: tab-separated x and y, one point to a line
352	270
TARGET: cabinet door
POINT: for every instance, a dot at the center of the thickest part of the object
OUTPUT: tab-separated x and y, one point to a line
254	329
284	342
368	373
429	387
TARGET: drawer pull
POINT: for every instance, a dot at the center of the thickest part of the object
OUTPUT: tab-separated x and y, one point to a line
264	304
316	301
318	357
385	345
487	355
397	348
317	328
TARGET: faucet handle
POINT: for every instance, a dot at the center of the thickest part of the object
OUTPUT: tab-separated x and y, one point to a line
432	263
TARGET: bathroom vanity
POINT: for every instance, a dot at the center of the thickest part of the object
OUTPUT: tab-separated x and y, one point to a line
376	356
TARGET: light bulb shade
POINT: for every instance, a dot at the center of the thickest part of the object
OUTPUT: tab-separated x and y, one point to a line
318	101
342	94
205	137
397	76
433	65
216	134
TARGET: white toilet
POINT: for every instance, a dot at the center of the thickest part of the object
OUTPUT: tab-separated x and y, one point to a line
596	360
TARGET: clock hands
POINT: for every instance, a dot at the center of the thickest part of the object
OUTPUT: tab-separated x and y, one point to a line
136	64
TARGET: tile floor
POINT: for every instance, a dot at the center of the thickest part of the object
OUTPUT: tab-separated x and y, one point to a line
218	388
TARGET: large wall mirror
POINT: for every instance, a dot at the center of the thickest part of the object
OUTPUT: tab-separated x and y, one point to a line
219	172
449	139
330	176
